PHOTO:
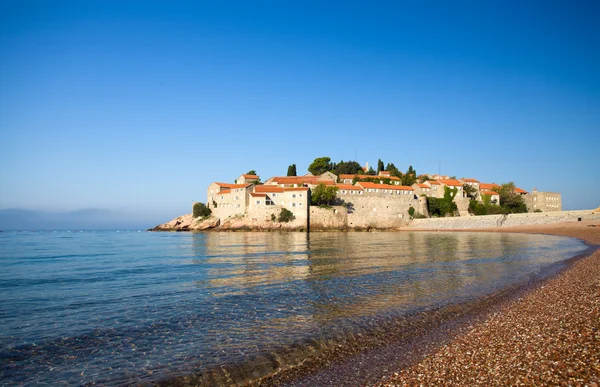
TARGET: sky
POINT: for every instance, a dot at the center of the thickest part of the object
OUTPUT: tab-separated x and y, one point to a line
137	106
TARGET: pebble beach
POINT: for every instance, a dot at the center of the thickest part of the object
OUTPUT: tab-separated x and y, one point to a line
549	336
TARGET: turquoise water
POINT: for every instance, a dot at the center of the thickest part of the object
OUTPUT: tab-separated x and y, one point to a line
117	308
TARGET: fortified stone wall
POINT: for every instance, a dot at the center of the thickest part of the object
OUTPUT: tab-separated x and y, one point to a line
263	214
502	220
379	210
334	218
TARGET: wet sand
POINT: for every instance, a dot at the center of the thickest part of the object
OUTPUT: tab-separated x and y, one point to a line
550	335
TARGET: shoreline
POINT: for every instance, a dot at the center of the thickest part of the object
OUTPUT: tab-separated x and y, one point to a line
546	336
410	353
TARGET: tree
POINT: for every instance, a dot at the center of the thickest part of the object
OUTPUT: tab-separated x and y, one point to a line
443	206
379	166
292	170
320	165
324	195
410	177
371	171
199	210
347	168
510	199
285	216
470	191
251	172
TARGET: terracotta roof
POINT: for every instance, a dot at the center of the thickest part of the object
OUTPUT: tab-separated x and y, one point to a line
486	186
384	173
324	182
288	189
489	193
366	184
258	195
250	176
231	186
519	190
470	180
267	188
349	187
433	182
423	186
451	182
225	191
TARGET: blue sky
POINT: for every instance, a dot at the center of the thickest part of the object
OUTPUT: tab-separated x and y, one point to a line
137	106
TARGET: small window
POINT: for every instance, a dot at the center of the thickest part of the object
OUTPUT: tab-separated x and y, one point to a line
293	204
300	204
294	196
268	202
258	202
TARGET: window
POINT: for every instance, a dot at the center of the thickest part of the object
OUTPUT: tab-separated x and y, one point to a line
274	195
300	204
258	202
300	195
294	196
293	204
237	198
268	202
237	205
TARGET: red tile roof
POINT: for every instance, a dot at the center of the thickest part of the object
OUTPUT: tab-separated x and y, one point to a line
450	182
489	193
292	189
250	176
225	191
258	195
366	184
362	177
268	188
423	186
486	186
350	187
433	182
521	191
231	186
470	180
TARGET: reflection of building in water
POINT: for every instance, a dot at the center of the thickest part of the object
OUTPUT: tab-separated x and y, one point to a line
242	261
338	275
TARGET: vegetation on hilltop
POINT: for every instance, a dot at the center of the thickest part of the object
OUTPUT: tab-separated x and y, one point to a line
292	170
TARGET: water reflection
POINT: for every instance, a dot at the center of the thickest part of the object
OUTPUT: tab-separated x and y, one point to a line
83	310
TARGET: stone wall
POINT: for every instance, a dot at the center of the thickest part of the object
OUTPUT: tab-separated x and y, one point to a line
334	218
261	214
379	210
502	220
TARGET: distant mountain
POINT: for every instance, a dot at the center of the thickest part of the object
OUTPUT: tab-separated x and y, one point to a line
84	219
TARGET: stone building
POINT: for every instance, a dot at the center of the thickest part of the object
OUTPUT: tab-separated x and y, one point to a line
227	200
247	179
543	201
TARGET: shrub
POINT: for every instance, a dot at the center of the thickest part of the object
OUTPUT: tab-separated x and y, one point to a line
199	210
273	218
411	211
323	195
285	216
537	210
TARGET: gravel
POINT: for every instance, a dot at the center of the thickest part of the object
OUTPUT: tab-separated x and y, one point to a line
549	336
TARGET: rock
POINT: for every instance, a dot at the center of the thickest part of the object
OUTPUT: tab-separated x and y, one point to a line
187	223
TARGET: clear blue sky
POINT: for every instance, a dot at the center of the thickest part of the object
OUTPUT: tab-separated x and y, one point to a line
138	106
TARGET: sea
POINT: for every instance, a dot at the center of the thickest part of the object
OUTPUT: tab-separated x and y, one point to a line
119	308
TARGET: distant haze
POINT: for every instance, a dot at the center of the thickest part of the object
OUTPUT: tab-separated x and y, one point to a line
86	219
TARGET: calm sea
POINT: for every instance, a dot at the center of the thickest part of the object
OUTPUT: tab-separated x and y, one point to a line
116	308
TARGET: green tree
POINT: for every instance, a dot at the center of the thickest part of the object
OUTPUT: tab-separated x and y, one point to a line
371	171
380	166
324	195
292	170
285	216
251	172
510	199
410	177
347	168
439	207
411	211
320	165
200	210
470	191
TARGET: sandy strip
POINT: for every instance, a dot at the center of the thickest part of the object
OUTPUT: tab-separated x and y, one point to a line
550	336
